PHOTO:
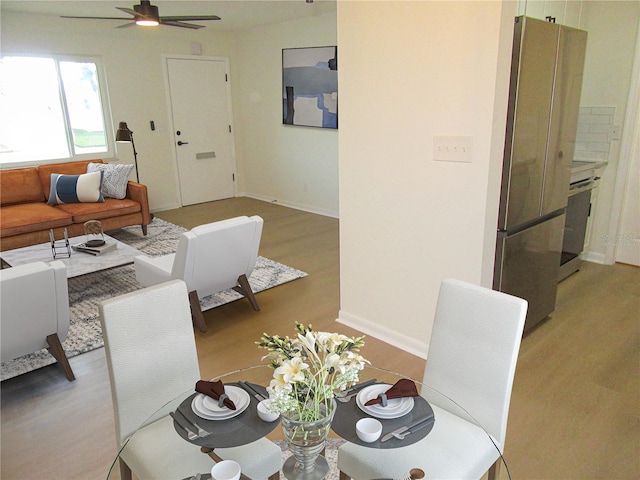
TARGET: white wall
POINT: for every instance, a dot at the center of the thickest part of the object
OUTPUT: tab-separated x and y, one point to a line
611	50
274	162
410	71
133	62
296	166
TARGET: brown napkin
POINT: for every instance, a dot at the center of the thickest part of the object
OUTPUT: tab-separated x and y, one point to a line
402	388
215	390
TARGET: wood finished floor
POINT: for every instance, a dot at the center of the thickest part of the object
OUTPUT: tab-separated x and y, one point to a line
575	411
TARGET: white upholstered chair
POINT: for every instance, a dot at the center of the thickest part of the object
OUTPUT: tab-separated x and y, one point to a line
34	302
210	258
472	360
153	366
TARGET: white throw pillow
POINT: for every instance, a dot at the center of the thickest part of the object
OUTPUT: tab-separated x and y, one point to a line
114	182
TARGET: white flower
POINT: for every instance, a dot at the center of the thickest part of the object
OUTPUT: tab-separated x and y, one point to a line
291	370
310	368
332	360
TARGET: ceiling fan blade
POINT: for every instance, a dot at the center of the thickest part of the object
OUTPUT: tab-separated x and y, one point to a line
96	18
130	11
190	17
127	25
174	23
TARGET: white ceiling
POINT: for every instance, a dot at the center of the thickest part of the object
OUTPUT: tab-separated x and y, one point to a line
235	14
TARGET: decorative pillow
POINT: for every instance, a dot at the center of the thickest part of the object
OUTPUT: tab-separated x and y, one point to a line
83	188
114	182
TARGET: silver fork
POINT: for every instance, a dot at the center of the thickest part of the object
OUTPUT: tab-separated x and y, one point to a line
347	398
191	435
353	391
201	431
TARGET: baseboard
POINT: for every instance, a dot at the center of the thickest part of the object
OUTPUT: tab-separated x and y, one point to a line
398	340
594	257
162	208
297	206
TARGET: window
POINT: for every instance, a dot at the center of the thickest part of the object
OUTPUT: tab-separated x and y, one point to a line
51	108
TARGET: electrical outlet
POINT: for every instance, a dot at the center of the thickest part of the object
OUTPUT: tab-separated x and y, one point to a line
614	132
452	149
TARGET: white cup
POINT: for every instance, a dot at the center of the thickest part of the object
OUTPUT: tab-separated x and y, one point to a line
368	429
264	413
226	470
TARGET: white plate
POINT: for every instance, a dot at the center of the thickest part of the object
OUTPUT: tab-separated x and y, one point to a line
199	409
239	397
395	408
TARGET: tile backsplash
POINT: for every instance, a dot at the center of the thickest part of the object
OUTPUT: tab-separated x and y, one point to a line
595	133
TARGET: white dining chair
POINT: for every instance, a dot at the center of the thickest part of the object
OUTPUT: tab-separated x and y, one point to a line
471	360
210	258
34	310
152	361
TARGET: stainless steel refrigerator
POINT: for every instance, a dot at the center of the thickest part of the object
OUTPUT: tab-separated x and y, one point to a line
542	118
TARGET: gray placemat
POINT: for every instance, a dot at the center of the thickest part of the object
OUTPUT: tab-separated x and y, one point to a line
244	428
347	414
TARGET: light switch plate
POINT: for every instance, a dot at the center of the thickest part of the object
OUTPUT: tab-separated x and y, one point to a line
453	149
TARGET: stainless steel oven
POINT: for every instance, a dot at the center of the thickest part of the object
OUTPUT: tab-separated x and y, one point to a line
583	181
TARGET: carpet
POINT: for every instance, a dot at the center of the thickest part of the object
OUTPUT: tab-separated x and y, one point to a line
87	291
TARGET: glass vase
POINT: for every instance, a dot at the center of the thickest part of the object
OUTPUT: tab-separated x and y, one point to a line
306	440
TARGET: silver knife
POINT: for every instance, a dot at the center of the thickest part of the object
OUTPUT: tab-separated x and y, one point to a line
420	426
391	435
252	391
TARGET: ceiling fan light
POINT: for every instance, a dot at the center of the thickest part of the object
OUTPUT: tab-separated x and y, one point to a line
150	15
147	22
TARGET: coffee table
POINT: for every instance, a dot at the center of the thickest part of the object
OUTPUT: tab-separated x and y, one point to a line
79	263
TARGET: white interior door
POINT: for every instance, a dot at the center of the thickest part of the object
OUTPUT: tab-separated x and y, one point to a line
200	109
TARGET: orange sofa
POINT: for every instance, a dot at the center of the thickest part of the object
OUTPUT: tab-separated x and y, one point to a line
26	218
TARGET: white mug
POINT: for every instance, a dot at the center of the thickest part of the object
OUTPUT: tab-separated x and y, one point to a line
226	470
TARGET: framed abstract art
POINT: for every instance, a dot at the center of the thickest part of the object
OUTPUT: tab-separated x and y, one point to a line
310	86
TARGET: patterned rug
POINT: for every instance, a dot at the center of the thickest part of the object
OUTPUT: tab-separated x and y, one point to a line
87	291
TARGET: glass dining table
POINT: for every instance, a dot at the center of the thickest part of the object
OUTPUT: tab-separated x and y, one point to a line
246	426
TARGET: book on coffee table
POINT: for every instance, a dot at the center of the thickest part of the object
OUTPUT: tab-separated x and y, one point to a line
82	247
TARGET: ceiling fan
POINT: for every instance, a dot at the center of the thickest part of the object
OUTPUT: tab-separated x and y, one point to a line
148	15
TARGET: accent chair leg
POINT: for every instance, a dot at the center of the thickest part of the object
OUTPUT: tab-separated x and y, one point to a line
125	471
344	476
55	349
244	288
144	229
196	311
494	470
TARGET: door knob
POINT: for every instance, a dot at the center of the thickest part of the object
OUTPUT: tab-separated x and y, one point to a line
180	142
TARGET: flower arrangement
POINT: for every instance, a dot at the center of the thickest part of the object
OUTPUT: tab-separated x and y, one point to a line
310	369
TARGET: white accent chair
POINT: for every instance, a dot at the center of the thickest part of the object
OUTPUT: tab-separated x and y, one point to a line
210	258
153	366
35	311
472	360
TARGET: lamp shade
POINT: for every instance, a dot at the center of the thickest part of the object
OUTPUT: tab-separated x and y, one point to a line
123	134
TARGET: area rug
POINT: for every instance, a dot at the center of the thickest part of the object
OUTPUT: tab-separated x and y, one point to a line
87	291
